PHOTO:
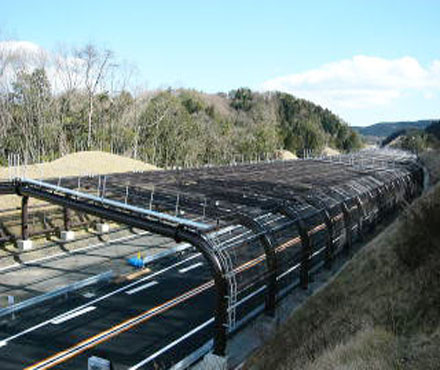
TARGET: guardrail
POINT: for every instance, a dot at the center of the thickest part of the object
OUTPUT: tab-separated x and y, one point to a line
105	276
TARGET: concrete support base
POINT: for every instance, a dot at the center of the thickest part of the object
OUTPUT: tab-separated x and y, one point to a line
67	235
102	228
214	362
97	363
24	245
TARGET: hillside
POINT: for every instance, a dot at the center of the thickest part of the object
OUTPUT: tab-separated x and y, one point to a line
166	127
380	312
384	129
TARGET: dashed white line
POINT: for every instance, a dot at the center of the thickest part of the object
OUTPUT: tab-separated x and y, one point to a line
116	330
192	267
105	296
60	319
142	287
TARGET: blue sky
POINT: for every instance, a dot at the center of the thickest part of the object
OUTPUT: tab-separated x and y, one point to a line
368	61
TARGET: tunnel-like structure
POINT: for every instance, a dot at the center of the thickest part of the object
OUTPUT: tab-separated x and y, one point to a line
264	228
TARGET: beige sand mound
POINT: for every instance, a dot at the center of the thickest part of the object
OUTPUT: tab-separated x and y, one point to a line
76	164
329	152
285	155
81	164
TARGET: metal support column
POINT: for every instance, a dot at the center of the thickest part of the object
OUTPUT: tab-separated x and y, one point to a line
361	215
201	243
25	217
306	252
67	218
330	248
330	245
306	246
271	259
348	228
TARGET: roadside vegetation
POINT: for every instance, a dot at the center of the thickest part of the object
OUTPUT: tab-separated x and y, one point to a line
92	105
381	311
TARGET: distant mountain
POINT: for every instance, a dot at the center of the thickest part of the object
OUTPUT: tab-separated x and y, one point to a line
385	129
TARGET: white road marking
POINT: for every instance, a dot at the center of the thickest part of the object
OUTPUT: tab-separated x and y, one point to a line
3	343
116	330
64	318
171	345
9	267
195	330
142	287
105	296
192	267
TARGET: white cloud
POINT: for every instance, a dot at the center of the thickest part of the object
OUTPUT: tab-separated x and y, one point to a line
64	69
16	56
361	82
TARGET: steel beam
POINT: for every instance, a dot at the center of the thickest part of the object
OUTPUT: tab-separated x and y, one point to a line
87	198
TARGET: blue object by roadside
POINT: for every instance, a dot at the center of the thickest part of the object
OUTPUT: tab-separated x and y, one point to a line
136	262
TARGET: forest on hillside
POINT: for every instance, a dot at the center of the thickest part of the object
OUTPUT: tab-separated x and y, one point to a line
415	140
92	108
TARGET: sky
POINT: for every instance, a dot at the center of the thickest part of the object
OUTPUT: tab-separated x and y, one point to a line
368	61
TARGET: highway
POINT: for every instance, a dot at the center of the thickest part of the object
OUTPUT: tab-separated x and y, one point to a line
126	323
153	321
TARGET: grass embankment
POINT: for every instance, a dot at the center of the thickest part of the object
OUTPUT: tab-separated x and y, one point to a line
381	312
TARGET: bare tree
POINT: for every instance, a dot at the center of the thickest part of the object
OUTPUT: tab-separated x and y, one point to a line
95	65
68	69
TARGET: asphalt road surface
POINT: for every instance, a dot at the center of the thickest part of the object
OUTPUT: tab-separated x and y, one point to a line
152	322
126	323
48	273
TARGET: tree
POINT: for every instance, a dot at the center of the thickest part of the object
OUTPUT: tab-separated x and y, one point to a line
94	66
241	99
31	98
